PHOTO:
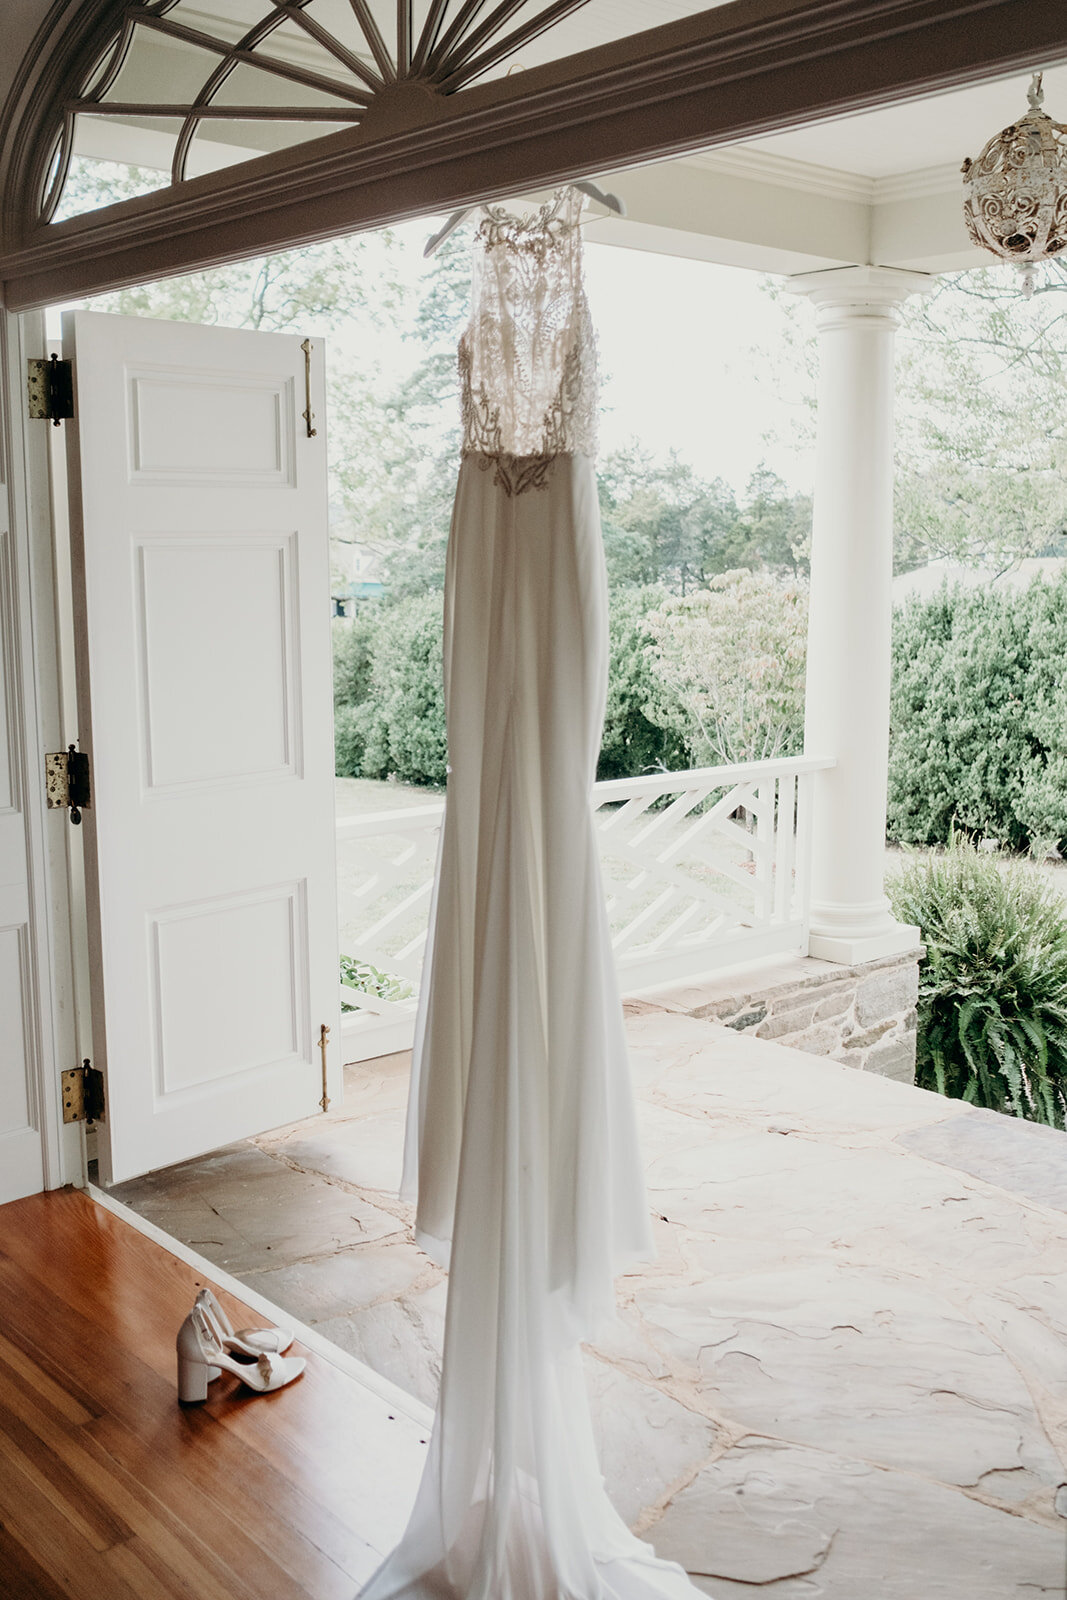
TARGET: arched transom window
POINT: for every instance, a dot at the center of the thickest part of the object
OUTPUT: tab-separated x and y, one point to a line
186	87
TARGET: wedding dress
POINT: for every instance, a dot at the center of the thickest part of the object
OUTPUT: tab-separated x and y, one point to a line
521	1143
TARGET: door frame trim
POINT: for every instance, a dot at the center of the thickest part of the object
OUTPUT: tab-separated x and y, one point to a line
38	705
744	68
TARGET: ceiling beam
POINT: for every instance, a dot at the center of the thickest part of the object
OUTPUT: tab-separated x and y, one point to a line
751	67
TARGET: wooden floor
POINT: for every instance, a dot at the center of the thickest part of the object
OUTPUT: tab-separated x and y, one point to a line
109	1490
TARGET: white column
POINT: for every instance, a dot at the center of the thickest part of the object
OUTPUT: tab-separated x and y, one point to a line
847	694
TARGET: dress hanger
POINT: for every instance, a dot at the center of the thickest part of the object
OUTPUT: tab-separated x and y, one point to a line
611	201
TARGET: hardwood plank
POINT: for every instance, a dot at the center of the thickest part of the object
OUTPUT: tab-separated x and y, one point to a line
267	1549
146	1575
150	1519
81	1571
113	1490
24	1577
11	1356
299	1430
24	1453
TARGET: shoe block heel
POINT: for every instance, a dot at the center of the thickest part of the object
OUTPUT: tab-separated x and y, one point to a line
193	1379
201	1358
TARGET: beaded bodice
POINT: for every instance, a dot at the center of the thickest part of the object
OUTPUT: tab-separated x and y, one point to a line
527	361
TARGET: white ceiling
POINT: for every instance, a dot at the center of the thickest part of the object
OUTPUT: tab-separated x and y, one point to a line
919	134
879	188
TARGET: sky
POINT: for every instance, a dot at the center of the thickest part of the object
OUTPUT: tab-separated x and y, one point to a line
687	354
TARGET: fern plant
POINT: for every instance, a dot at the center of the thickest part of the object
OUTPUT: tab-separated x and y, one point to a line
992	1013
367	979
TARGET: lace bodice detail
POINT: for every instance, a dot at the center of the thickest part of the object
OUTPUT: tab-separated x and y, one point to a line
527	361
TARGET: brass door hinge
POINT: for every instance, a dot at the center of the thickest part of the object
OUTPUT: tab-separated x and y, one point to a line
66	781
50	389
83	1095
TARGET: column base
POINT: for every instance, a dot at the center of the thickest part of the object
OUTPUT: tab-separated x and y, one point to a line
853	934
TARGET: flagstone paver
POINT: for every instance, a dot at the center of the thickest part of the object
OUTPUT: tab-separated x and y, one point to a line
845	1374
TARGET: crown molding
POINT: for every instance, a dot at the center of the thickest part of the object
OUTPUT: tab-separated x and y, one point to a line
753	165
944	179
782	172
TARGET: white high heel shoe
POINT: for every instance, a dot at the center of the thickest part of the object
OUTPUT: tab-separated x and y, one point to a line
201	1358
247	1341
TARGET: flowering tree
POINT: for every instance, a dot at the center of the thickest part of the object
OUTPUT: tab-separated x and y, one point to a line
729	659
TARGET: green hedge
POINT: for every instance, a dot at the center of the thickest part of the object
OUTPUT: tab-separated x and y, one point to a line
353	646
389	713
978	736
389	701
638	736
405	712
978	722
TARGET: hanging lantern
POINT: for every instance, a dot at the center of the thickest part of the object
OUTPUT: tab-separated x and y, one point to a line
1015	194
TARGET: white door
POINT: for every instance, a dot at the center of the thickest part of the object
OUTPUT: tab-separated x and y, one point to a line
200	552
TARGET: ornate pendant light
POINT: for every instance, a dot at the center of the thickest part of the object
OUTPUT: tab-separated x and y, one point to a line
1015	194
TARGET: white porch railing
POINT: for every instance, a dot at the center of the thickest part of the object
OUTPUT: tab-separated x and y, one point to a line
702	869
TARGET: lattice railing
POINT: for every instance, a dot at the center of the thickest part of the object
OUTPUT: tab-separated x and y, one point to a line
702	869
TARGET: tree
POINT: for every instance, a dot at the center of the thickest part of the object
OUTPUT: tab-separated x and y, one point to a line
344	287
91	184
730	661
982	443
661	522
774	529
981	417
417	487
317	288
665	524
394	435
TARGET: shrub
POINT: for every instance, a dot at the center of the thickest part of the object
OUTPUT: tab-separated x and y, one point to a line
978	717
635	738
405	711
353	653
992	1014
349	740
730	662
353	650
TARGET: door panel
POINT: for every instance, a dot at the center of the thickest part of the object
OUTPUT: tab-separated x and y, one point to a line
223	718
200	547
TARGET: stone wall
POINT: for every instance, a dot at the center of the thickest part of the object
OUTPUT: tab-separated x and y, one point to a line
863	1016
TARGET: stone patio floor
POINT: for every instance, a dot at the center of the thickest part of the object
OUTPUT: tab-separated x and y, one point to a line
844	1378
